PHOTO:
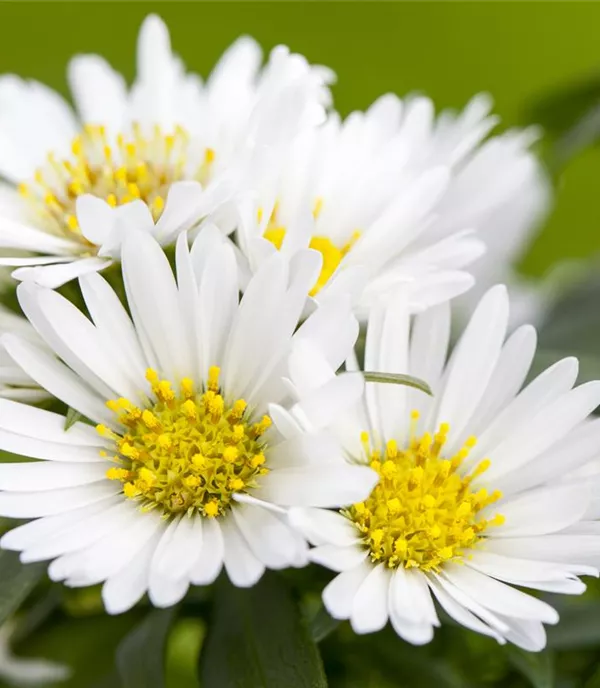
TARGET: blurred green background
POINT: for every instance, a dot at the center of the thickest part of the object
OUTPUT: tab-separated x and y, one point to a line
541	62
519	52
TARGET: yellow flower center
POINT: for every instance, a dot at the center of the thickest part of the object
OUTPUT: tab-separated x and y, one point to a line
423	512
136	166
188	453
332	255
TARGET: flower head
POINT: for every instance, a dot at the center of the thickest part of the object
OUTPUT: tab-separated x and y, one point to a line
472	498
394	197
193	455
170	142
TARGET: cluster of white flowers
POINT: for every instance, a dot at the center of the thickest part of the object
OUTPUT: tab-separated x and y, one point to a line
220	244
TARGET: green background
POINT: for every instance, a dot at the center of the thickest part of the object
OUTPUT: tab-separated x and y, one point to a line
519	52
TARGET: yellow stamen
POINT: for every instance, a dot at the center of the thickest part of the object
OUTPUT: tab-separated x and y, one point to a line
423	512
186	453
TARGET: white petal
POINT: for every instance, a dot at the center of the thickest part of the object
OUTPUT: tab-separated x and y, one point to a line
151	288
44	425
267	536
410	598
59	380
34	504
165	590
549	425
176	560
461	615
54	276
325	486
126	587
210	560
370	605
512	368
322	527
473	362
35	532
542	511
80	534
338	596
242	567
546	388
499	597
339	558
99	92
34	476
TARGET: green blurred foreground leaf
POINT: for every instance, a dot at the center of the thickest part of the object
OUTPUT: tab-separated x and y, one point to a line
397	379
578	628
141	655
322	625
537	667
258	639
16	583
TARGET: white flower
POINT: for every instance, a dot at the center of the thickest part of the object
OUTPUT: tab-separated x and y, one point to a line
184	473
508	228
14	381
177	144
396	197
472	498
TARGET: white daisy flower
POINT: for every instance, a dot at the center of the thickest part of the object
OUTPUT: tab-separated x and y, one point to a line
15	383
471	499
509	230
194	457
177	144
397	196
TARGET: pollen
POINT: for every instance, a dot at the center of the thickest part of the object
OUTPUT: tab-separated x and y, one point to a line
187	452
424	511
120	169
331	254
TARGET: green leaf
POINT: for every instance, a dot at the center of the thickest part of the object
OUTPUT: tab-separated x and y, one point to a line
16	582
397	379
579	626
141	654
559	110
71	418
537	667
258	640
322	625
583	134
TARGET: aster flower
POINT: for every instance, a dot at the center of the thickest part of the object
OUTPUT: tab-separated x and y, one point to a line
509	228
472	498
194	457
397	197
178	145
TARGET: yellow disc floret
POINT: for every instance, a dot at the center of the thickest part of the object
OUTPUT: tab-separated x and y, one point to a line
189	452
331	254
424	511
121	169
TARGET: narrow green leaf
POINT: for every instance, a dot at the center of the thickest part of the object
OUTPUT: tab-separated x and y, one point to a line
322	625
579	626
141	655
72	417
537	667
16	582
258	640
397	379
583	134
